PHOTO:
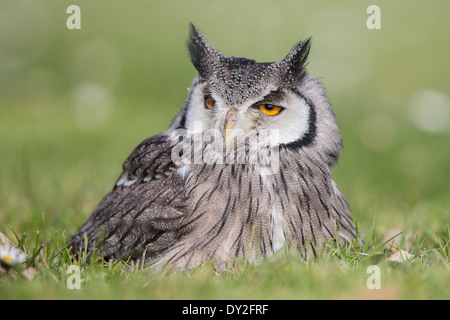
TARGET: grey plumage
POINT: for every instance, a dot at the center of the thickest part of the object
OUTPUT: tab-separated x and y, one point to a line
181	212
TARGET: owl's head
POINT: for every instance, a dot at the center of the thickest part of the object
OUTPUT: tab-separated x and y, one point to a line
240	97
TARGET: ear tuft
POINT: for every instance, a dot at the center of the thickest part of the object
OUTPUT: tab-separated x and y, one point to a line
296	59
201	53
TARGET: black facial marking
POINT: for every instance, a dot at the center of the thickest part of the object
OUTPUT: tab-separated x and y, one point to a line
311	134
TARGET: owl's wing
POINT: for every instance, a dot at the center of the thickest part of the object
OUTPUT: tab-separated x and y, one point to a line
341	210
143	208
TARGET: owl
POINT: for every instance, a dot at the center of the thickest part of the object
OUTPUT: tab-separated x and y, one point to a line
242	171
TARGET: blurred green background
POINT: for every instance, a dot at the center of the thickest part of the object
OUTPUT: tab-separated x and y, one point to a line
74	103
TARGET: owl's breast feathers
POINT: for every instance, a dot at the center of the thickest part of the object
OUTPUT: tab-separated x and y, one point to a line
214	211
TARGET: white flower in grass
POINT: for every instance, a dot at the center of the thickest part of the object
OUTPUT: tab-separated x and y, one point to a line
11	256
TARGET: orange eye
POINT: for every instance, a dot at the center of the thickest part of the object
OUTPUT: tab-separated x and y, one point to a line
269	109
209	103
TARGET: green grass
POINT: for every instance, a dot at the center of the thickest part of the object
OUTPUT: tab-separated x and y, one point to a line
340	272
61	149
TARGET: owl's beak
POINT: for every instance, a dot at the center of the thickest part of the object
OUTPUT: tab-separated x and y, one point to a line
230	120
